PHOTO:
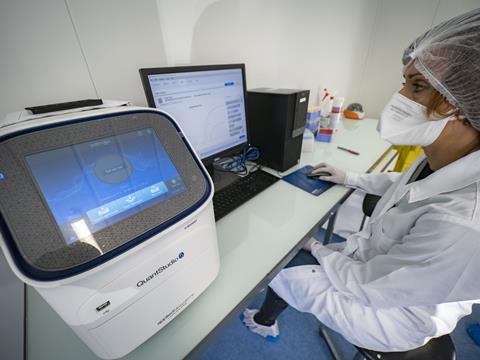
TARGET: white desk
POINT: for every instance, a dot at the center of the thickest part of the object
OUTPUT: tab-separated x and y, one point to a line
255	241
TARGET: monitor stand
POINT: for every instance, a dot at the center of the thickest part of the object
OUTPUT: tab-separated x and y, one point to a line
221	179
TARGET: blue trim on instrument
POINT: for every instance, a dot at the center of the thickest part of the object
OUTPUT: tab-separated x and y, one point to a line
41	275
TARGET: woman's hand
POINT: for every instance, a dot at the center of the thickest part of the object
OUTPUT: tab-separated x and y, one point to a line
336	176
308	245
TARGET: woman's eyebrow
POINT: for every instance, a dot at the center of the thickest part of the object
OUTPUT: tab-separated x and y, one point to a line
411	76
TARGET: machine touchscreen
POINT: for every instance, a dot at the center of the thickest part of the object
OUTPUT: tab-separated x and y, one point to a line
92	185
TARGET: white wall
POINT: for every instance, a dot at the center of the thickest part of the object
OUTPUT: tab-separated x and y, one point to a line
60	50
118	37
40	58
296	44
397	24
447	9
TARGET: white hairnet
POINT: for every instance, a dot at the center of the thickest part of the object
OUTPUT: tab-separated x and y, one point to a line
448	56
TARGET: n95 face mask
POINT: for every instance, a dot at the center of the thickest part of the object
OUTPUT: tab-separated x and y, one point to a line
405	122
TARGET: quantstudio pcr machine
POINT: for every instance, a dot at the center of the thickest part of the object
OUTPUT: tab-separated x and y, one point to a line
108	215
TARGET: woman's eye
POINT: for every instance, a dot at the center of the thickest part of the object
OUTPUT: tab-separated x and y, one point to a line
417	88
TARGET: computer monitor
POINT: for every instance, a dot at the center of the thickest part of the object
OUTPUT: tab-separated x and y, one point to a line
207	101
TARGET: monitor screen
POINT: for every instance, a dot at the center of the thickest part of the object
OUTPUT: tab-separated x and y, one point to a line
92	185
208	104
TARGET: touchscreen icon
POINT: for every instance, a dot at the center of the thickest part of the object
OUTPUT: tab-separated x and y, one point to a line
113	168
130	199
154	189
103	210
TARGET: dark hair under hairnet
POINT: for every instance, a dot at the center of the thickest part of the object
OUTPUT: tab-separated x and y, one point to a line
448	56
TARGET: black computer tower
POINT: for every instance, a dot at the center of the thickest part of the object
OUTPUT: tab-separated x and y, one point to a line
276	121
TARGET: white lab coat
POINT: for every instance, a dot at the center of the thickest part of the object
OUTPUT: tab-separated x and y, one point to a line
411	274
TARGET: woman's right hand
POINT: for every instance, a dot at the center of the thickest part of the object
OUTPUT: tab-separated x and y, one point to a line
336	176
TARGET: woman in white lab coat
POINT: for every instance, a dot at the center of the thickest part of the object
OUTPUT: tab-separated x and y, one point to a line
414	271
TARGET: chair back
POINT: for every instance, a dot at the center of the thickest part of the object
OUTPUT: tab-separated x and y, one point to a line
369	203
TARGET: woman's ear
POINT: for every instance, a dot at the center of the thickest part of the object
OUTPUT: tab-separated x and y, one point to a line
447	108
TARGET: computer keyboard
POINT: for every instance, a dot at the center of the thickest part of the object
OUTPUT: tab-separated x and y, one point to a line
234	195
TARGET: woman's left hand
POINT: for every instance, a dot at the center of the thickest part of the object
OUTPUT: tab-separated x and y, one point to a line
308	245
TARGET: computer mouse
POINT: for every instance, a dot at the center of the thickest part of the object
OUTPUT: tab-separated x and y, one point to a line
317	174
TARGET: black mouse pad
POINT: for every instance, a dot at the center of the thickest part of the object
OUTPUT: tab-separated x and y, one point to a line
313	186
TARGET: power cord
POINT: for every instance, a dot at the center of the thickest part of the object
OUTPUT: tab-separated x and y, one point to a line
239	164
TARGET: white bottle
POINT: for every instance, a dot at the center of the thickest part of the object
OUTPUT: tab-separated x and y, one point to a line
335	112
325	114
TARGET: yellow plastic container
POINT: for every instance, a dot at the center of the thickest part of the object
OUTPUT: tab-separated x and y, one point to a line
406	156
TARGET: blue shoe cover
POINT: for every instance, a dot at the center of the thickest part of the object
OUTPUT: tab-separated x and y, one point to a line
270	333
473	331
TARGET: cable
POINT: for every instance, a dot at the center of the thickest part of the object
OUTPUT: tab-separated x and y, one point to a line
238	164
